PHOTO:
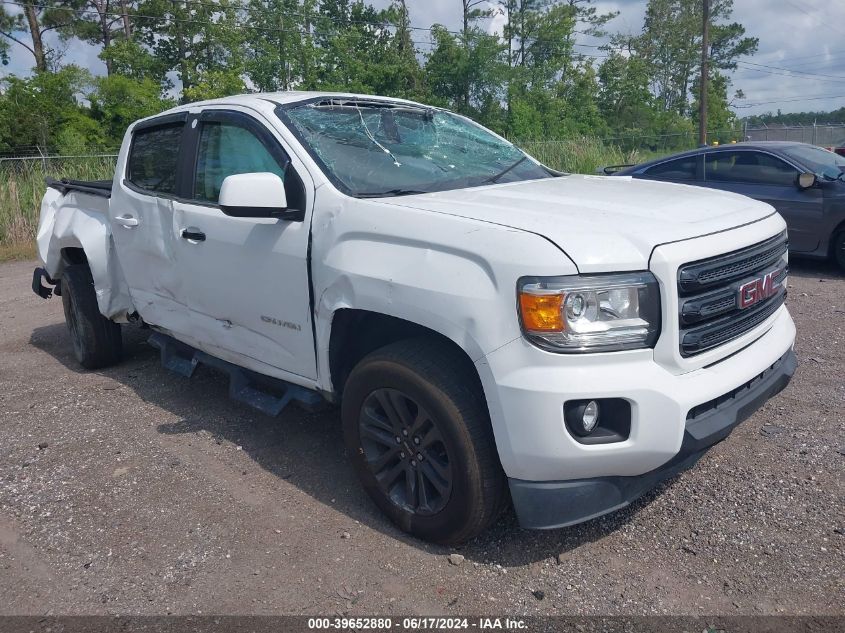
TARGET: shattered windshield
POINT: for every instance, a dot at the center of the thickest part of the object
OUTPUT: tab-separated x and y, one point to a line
372	148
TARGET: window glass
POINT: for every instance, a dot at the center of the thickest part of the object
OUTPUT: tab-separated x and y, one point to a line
680	169
225	150
748	167
153	158
820	161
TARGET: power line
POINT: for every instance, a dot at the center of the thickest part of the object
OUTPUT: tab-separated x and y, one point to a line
834	63
831	53
780	74
175	20
789	70
754	104
746	66
240	7
823	22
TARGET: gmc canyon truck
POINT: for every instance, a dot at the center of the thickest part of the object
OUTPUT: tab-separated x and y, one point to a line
493	331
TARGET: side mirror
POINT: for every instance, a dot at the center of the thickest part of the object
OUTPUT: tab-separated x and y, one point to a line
806	180
256	195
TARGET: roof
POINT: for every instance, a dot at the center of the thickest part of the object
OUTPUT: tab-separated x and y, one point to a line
285	97
773	146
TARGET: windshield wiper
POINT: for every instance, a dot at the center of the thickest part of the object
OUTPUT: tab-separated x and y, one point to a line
495	177
389	192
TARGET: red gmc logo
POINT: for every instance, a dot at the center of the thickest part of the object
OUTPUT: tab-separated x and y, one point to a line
758	289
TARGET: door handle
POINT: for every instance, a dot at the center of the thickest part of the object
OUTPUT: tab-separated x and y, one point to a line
196	236
127	221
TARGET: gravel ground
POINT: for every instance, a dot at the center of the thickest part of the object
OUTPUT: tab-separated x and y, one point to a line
135	491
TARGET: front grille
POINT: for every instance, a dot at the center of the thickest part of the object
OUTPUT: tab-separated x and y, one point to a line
709	311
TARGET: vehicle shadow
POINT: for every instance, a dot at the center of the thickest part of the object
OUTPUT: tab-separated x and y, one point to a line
306	449
807	268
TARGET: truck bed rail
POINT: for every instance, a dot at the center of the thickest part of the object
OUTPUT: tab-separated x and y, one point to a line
93	187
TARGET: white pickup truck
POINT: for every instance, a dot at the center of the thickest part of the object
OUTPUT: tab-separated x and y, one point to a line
492	330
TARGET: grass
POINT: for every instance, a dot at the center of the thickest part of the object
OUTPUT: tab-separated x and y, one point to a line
22	182
17	252
21	189
579	155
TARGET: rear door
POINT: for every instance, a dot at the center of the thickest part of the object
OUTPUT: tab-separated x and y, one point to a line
246	279
768	178
141	214
685	169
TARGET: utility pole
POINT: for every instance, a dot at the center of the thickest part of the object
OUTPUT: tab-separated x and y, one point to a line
702	84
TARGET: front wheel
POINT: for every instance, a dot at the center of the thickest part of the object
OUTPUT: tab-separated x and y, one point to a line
417	429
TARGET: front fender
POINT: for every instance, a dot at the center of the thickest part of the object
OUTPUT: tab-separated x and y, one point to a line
453	275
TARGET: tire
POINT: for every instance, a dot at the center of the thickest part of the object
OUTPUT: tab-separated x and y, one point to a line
427	389
97	341
837	247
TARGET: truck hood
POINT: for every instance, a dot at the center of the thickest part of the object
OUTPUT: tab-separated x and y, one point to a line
602	223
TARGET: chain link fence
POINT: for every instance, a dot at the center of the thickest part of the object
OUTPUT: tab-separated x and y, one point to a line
829	135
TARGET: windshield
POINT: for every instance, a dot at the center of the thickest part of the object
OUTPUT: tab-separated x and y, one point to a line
372	148
818	160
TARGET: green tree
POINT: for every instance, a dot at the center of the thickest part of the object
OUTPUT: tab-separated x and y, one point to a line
670	43
44	112
356	48
200	41
117	101
624	98
130	58
34	22
100	22
280	49
466	72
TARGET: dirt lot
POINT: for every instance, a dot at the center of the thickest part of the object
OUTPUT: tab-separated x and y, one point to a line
134	491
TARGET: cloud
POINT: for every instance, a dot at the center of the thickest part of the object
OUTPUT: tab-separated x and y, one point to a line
803	36
800	40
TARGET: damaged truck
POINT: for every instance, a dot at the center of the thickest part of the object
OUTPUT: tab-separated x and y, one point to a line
493	332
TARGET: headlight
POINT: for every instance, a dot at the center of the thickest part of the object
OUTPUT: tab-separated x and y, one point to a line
590	313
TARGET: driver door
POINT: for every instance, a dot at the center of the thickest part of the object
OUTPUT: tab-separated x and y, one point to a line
247	279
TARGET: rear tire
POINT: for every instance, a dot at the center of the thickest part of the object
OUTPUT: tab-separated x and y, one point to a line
421	398
97	341
838	249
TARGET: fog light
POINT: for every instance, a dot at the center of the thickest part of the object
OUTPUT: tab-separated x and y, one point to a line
599	421
590	417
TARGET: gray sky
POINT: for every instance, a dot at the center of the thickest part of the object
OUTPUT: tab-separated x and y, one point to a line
801	54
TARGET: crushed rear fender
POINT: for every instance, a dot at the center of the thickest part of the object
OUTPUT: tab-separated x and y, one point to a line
79	220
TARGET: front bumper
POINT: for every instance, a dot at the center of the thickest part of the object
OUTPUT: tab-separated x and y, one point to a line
555	504
527	387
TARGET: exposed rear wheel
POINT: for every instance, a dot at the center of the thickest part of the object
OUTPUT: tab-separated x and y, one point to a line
417	429
97	341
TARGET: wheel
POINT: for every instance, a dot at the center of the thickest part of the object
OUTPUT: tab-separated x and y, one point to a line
838	249
97	341
417	429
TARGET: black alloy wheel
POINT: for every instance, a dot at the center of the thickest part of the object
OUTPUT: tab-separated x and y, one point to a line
417	431
405	451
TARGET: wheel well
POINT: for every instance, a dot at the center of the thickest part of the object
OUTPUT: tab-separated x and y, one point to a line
73	255
356	333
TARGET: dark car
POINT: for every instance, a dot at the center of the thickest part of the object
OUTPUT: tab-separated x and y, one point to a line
805	183
838	147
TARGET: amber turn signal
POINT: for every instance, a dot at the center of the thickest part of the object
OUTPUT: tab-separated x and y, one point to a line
541	312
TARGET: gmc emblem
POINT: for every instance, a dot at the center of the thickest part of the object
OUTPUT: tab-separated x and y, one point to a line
758	289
